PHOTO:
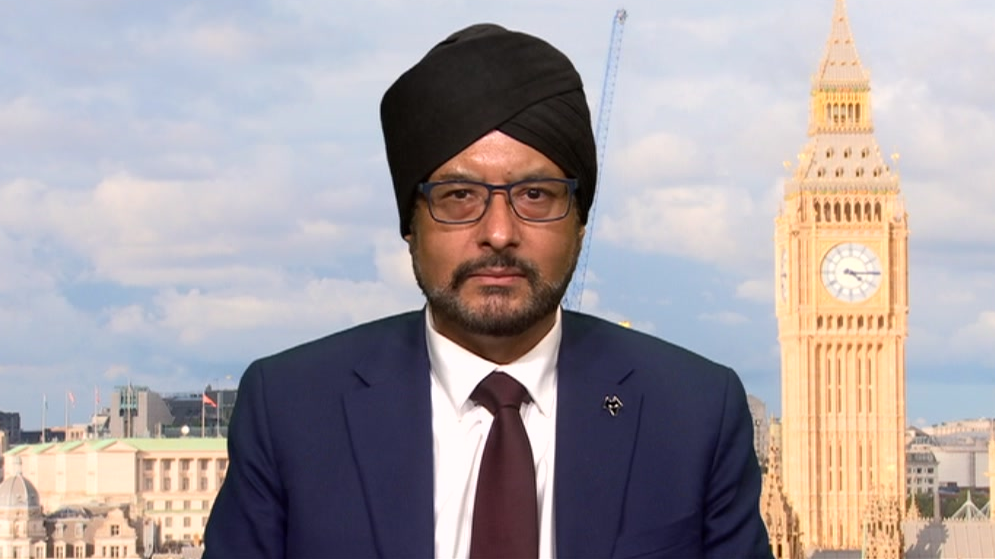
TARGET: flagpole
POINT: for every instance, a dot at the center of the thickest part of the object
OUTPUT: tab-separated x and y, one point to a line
67	415
44	408
217	410
203	413
96	410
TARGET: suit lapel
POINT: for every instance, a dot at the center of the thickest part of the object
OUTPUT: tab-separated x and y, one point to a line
390	424
593	447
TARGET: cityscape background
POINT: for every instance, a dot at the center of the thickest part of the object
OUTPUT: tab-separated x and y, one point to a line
190	185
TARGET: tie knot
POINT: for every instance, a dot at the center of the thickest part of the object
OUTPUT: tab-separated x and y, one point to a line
499	390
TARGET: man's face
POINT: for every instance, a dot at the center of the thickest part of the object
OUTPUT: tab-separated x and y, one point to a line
500	275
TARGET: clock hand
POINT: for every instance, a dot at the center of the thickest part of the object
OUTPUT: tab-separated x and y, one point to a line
857	274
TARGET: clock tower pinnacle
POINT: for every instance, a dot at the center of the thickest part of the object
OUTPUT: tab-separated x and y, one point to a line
842	308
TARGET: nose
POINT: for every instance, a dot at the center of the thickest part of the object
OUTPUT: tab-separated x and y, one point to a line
499	227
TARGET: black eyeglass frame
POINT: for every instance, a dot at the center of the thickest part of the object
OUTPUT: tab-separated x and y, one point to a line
426	188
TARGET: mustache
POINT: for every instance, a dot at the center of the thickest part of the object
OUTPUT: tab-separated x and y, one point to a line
498	260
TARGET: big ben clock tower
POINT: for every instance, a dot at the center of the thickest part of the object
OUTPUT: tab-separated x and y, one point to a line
842	307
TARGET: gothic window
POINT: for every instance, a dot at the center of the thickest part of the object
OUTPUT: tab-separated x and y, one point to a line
837	212
865	152
839	172
846	211
877	171
115	530
860	171
829	153
858	113
877	217
818	211
821	172
847	152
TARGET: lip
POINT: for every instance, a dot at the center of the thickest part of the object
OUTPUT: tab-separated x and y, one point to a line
497	276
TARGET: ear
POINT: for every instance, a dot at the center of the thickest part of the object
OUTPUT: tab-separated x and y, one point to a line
581	231
409	238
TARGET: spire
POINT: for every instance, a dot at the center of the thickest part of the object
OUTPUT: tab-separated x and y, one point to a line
840	66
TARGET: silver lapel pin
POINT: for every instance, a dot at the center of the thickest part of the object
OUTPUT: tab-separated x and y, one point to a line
613	404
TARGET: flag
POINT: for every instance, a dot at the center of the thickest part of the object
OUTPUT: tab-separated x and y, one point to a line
72	398
96	395
207	400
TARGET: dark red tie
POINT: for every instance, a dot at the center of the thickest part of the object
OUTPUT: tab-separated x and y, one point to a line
505	514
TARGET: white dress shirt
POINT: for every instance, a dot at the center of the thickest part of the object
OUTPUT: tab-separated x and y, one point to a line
460	427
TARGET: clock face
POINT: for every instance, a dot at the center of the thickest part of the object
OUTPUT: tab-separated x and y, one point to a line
784	275
851	272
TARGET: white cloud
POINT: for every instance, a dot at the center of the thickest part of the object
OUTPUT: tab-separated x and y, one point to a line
658	157
977	338
757	290
708	224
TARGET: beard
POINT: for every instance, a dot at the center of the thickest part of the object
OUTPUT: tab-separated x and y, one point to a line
495	316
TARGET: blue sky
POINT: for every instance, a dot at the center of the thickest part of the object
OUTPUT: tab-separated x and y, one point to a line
187	185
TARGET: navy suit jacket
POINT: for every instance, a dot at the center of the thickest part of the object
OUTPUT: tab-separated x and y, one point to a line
331	451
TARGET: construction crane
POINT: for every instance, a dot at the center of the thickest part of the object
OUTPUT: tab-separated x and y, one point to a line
575	292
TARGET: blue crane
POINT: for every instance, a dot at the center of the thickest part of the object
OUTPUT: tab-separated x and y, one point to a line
575	292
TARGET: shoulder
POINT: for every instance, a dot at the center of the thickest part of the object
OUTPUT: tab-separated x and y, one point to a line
639	351
337	355
355	341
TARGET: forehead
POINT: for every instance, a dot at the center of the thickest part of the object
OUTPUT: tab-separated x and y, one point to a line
498	157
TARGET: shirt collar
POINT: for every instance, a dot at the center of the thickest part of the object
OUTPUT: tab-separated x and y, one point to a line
459	371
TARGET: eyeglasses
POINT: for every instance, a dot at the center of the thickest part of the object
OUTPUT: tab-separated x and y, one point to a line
465	201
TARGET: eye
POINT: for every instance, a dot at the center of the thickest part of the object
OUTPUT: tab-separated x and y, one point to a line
536	193
458	194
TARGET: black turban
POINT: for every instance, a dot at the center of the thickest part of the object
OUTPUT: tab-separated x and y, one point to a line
480	79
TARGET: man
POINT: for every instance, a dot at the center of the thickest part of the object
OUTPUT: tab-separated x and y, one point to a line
491	423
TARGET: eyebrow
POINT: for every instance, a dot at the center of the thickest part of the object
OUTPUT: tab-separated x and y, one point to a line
463	176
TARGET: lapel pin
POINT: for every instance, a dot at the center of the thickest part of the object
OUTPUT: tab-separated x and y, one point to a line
613	404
